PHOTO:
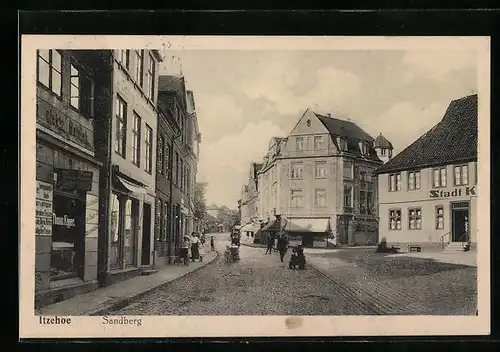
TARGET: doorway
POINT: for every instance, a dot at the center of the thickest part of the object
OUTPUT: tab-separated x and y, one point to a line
146	235
459	221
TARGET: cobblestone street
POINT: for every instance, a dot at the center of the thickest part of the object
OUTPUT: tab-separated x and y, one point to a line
257	285
347	283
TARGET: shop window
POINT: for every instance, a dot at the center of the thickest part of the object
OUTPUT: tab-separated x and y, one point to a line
395	182
395	219
131	217
68	237
461	175
121	126
149	149
125	58
49	63
413	180
415	219
320	169
439	177
116	231
299	143
439	217
136	140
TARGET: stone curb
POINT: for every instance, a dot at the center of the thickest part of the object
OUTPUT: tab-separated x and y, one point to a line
122	303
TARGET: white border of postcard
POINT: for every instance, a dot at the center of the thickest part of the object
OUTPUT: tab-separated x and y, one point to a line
249	326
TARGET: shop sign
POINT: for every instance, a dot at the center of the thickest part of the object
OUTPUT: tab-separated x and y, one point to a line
457	192
92	214
63	125
63	220
71	180
43	215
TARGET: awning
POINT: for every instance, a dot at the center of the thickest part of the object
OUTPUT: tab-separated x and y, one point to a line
307	225
131	187
275	224
250	228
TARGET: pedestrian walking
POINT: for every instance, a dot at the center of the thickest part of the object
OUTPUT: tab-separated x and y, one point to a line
201	251
269	244
184	250
212	243
282	246
195	242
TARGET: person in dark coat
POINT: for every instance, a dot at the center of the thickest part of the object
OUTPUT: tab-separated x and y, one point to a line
282	246
270	241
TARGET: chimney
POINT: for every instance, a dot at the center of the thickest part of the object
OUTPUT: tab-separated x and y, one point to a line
329	115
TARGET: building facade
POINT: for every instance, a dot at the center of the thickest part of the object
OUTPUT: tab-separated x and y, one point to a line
319	178
126	125
67	175
249	204
428	192
174	96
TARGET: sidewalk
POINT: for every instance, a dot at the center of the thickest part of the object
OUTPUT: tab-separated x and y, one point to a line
119	295
458	258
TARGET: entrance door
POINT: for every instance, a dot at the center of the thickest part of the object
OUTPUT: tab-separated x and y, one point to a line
146	234
459	221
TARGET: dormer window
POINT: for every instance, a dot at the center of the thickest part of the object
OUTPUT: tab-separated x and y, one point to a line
342	142
364	148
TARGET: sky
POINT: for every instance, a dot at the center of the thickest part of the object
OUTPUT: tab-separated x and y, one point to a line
245	97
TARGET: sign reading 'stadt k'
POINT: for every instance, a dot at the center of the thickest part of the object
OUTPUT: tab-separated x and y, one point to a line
457	192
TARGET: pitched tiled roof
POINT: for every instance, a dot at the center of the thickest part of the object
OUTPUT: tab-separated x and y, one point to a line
453	139
344	128
351	131
382	142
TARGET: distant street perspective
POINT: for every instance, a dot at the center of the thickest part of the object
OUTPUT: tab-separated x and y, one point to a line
342	282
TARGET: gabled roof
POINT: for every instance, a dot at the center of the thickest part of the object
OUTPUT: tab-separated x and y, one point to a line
344	128
382	142
453	139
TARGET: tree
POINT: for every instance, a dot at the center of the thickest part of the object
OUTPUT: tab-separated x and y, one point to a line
199	203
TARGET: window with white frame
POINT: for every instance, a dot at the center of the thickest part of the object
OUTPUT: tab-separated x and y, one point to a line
415	218
439	177
121	126
395	219
348	189
75	87
297	170
296	197
299	143
49	64
136	140
139	66
342	141
439	217
151	77
413	180
320	169
395	182
125	58
159	155
461	175
348	169
149	149
320	197
318	142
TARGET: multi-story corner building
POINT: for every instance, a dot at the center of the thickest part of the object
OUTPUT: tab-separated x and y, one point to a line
126	125
249	203
428	192
67	174
319	178
174	96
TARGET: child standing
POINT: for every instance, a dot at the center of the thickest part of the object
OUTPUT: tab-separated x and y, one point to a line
201	250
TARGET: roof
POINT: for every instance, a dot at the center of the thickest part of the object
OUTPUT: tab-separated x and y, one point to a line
453	139
344	128
351	131
382	142
174	84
